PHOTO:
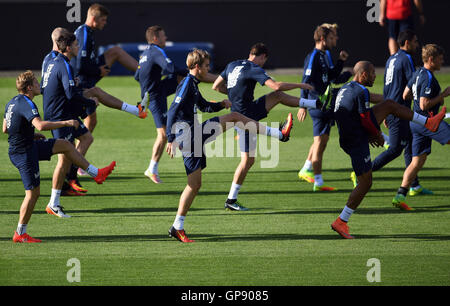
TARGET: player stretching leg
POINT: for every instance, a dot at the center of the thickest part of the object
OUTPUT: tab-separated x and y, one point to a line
359	125
238	80
319	71
27	148
426	92
182	115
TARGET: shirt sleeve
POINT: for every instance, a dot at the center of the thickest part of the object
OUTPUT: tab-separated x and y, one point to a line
30	111
165	63
181	95
84	64
424	86
73	94
307	74
259	75
208	107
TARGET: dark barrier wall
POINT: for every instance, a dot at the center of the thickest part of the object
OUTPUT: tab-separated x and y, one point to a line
233	26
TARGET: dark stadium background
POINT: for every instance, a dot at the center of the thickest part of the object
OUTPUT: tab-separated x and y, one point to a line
232	26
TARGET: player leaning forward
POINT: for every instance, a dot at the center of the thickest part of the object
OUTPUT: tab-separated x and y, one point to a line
184	130
359	125
27	148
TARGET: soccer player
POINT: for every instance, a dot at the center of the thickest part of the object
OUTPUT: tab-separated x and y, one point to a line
62	100
184	130
158	78
397	15
358	126
73	186
238	80
90	67
399	70
27	148
426	92
319	71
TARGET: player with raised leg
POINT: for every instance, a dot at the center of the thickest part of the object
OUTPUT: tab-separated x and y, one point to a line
428	98
184	131
359	125
27	148
238	80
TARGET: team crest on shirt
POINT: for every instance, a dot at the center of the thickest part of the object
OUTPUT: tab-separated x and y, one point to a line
427	90
83	53
34	111
143	59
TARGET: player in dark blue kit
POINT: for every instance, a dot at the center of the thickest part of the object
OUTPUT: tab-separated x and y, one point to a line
320	71
158	78
62	100
72	185
359	125
90	67
27	148
238	80
184	130
399	70
426	92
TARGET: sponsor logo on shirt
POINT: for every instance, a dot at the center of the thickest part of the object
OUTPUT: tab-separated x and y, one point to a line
233	76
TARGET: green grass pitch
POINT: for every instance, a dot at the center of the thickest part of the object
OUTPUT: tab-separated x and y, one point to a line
118	231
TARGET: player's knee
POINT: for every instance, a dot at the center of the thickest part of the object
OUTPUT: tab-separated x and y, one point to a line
247	162
62	145
195	185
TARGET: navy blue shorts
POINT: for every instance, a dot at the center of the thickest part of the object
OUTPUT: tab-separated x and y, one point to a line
257	109
192	143
70	133
359	154
399	132
322	122
158	105
90	81
28	163
422	137
395	26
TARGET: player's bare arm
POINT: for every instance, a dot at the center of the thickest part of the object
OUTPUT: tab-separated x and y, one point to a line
427	103
42	125
283	86
220	85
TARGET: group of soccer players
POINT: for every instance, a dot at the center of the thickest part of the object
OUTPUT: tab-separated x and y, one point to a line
72	69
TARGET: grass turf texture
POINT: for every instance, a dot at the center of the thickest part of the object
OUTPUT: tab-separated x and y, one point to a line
119	230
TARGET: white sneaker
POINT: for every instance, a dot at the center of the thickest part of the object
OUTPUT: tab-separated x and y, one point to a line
57	211
152	176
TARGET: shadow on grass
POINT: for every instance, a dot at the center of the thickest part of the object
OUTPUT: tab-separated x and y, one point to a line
252	212
229	238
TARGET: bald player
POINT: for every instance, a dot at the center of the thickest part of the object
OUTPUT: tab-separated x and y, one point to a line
359	125
73	187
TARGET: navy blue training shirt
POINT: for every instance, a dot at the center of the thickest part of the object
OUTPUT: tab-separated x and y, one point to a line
241	77
398	71
62	100
47	59
153	65
319	71
424	84
19	112
184	107
351	101
85	64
